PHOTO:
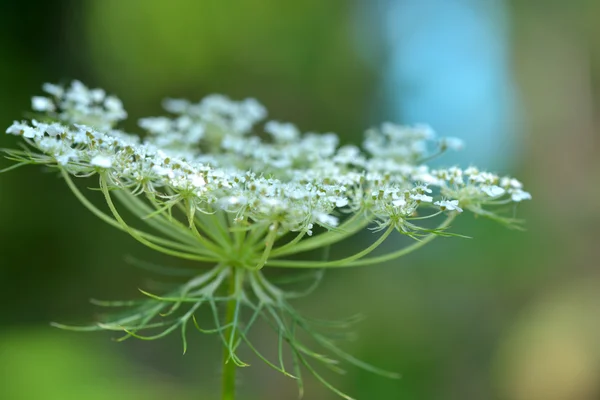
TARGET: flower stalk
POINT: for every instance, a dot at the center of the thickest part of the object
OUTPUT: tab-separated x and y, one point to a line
229	367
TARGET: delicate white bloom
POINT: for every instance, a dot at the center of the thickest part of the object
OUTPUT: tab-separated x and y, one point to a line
206	153
493	190
421	197
341	202
282	132
101	161
448	205
507	182
254	110
30	133
518	195
198	180
19	128
40	103
97	95
421	188
471	171
159	125
399	203
78	93
224	194
54	129
325	219
398	143
54	90
63	159
349	155
176	106
114	107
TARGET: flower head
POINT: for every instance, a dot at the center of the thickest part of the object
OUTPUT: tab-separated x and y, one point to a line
448	205
211	188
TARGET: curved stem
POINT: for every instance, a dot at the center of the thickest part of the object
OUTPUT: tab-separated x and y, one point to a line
269	241
408	249
228	379
353	225
136	235
353	261
290	244
337	263
158	219
155	240
160	223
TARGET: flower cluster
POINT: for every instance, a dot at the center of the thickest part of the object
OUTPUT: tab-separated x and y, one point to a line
212	155
215	184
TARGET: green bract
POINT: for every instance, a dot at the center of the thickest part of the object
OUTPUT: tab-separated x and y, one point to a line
210	185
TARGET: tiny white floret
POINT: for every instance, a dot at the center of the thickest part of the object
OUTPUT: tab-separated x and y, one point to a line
101	161
421	197
493	190
448	205
43	104
519	195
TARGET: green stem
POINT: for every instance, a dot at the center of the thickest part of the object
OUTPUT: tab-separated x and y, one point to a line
269	241
353	225
336	263
229	367
140	237
408	249
355	261
153	240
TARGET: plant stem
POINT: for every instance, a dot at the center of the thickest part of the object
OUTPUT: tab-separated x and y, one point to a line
355	260
229	367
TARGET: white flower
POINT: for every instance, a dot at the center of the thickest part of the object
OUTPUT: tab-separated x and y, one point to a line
471	171
64	158
54	90
17	128
421	197
30	133
115	107
101	161
208	154
325	219
448	205
54	129
43	104
198	180
309	231
158	125
97	95
341	202
508	182
420	188
282	132
493	190
518	195
399	203
224	195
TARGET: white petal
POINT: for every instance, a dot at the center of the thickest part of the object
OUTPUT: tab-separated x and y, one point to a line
101	161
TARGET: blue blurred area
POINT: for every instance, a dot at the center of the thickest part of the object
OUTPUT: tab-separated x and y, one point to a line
449	66
505	315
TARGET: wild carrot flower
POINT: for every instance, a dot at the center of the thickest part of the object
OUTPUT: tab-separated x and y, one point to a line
213	184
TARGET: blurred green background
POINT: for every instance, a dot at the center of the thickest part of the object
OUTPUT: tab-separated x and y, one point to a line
505	315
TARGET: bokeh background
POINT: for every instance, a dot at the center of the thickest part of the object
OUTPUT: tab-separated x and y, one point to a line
505	315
